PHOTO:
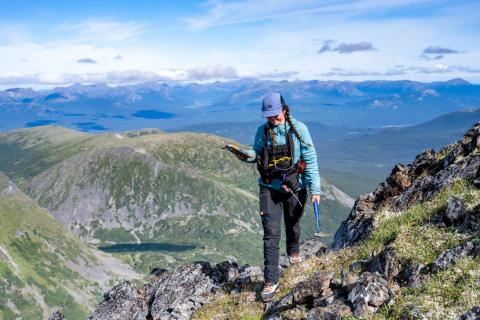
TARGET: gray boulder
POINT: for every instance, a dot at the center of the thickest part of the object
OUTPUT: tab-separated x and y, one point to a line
179	294
249	279
455	212
447	258
57	315
472	314
124	301
369	294
304	292
335	311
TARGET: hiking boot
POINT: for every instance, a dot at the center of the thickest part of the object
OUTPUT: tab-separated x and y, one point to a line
295	258
269	291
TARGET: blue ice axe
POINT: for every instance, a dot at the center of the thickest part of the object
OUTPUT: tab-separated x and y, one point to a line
316	211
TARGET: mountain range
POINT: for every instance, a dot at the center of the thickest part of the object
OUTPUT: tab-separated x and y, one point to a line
170	106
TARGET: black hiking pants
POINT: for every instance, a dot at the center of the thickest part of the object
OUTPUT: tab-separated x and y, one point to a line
274	204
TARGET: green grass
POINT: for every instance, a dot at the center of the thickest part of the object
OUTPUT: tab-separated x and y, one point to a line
446	295
415	217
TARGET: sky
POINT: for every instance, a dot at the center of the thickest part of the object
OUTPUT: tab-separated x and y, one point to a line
46	43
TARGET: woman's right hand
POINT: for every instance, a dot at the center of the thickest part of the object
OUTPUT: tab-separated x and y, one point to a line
315	197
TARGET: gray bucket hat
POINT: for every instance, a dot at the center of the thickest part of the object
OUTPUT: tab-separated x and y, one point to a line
272	104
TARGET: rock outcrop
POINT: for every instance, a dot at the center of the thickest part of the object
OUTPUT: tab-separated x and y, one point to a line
409	184
171	295
179	293
467	249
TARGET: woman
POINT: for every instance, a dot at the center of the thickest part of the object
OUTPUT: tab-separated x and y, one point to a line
287	162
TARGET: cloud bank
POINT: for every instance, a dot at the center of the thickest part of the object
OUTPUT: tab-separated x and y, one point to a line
439	50
401	70
346	48
86	60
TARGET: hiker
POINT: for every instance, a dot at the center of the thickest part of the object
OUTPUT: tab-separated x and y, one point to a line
287	162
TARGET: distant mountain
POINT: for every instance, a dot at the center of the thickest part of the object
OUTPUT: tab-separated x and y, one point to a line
43	267
375	153
173	106
244	132
155	199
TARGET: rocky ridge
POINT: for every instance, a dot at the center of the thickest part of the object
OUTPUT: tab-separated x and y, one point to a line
179	293
434	202
409	184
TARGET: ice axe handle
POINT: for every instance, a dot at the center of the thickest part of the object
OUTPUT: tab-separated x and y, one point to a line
317	215
315	207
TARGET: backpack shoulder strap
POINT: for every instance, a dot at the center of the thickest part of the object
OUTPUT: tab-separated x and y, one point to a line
291	146
265	147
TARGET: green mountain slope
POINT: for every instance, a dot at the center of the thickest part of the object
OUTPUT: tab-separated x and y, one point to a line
155	199
42	266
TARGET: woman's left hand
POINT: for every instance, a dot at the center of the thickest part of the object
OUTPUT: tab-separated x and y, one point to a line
315	197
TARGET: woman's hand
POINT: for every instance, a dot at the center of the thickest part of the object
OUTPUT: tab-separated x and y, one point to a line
315	197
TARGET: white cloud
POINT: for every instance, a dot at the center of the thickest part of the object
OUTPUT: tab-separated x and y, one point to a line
275	74
354	72
439	50
235	12
14	33
102	30
203	73
212	72
346	48
280	47
86	60
402	70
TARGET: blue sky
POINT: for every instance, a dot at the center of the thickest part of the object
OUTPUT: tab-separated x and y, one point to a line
62	42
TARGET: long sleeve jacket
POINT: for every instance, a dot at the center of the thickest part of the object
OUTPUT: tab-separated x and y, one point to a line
310	177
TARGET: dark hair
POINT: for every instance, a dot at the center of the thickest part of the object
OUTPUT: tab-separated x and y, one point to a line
290	122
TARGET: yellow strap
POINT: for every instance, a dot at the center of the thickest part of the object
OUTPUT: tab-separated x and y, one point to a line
275	161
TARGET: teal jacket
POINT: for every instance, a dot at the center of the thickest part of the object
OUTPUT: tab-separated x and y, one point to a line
310	178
